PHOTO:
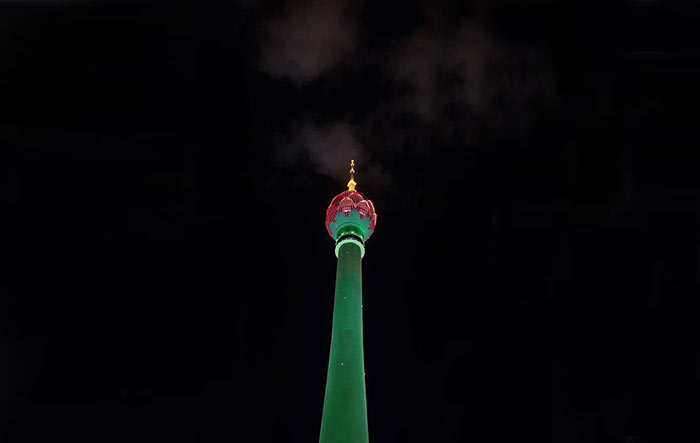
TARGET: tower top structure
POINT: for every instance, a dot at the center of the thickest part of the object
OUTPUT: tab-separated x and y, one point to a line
351	213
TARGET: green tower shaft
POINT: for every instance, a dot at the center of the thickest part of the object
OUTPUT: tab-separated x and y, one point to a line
345	406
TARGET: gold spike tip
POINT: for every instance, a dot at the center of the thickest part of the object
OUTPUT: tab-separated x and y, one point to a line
352	183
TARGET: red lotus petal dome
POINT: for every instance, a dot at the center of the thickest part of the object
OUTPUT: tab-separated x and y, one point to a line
345	202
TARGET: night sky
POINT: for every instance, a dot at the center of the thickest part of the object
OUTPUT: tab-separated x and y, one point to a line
166	168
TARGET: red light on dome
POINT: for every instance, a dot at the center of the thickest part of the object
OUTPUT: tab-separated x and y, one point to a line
345	202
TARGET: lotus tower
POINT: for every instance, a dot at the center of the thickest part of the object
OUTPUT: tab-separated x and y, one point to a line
350	221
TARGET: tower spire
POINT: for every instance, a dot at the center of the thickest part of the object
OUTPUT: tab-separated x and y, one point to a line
352	183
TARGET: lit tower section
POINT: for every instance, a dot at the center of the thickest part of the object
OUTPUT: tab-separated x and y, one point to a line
350	220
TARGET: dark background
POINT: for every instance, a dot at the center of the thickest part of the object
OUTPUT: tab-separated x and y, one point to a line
169	278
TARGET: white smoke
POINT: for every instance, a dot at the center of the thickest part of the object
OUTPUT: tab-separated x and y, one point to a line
450	83
308	38
329	147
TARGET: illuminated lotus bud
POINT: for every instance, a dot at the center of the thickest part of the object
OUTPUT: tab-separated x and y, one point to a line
358	211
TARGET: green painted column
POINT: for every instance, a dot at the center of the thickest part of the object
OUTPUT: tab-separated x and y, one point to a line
345	405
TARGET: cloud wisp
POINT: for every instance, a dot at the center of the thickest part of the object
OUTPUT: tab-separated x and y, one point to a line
308	38
451	83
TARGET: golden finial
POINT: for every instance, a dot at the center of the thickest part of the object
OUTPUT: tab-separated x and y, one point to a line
351	183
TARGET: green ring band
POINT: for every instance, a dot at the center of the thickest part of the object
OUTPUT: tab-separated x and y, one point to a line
344	240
